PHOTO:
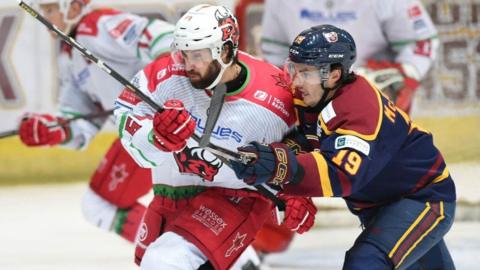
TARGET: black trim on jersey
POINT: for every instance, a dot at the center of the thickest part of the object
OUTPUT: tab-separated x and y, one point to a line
238	82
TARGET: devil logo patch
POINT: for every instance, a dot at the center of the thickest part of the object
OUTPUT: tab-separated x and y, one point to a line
194	161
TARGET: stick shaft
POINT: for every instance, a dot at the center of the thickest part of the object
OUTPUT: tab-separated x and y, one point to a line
225	153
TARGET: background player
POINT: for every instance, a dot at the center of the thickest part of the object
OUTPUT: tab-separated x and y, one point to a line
396	40
127	42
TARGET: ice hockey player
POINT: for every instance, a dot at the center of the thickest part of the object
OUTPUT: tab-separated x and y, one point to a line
200	210
396	40
363	148
127	43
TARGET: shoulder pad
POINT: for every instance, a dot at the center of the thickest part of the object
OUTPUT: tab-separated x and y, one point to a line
355	110
161	69
88	25
267	87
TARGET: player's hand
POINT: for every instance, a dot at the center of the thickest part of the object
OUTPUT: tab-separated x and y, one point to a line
173	126
34	130
299	213
297	142
274	164
397	81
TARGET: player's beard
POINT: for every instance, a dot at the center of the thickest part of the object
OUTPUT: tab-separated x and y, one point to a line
203	81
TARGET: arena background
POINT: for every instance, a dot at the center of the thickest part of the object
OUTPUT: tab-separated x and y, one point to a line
447	104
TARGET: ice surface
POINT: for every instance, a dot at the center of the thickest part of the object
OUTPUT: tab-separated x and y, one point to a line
41	228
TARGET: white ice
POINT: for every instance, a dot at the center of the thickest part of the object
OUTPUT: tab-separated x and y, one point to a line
41	228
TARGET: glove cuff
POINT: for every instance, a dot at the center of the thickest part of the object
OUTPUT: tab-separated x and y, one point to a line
286	169
298	177
165	145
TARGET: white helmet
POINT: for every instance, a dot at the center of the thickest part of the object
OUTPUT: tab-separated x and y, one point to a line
207	26
64	6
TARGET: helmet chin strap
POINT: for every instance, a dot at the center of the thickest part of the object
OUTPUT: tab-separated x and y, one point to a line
326	91
71	23
324	75
69	26
223	67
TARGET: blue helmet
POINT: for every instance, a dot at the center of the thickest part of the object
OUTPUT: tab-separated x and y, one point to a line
324	45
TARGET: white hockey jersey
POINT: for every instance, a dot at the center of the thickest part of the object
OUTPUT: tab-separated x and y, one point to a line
126	42
395	30
261	110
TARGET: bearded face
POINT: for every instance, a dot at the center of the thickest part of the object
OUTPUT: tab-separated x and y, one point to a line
201	81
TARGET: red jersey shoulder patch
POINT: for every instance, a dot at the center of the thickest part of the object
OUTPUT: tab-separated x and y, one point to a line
267	87
355	110
88	25
162	69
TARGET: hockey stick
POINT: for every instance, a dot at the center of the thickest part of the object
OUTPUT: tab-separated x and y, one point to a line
224	154
213	112
230	155
6	134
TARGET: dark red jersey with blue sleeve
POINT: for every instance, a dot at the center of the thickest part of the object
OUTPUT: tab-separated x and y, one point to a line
369	152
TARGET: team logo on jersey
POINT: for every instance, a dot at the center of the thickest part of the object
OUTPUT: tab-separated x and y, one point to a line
328	113
219	132
237	244
161	73
280	105
195	161
424	47
260	95
142	232
419	24
414	11
210	219
327	16
117	175
131	35
331	37
83	28
282	80
352	142
120	28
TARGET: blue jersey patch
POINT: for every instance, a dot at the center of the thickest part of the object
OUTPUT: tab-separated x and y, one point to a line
221	133
319	16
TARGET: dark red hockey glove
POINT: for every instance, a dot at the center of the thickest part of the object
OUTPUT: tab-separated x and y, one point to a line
299	213
275	164
34	130
393	80
127	221
173	126
297	142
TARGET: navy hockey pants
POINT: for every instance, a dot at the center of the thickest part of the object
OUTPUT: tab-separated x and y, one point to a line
407	234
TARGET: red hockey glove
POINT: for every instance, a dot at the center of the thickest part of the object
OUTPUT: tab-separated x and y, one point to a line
34	130
275	164
128	221
173	126
299	213
397	81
